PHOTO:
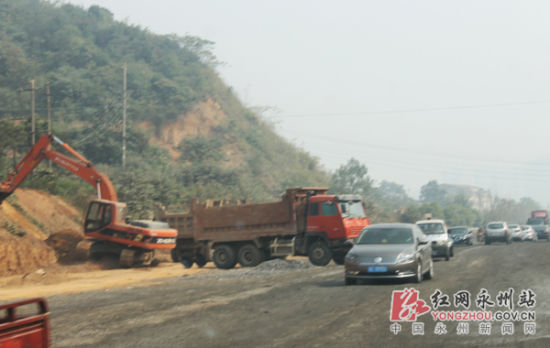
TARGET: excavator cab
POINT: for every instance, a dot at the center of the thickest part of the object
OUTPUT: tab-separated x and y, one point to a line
101	213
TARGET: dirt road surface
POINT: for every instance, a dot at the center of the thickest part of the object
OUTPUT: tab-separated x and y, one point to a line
295	305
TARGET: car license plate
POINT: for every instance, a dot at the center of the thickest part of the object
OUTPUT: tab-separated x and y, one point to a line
377	269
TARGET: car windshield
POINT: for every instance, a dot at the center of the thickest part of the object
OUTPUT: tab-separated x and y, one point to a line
432	228
352	209
386	236
495	226
535	221
513	226
458	231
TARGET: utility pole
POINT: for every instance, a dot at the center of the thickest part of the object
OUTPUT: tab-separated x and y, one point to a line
124	69
48	107
48	104
33	117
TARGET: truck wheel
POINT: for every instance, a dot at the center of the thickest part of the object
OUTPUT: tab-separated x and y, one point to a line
176	257
319	254
200	260
187	263
224	256
339	258
249	255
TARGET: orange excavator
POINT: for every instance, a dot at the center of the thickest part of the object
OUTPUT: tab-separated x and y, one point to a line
106	228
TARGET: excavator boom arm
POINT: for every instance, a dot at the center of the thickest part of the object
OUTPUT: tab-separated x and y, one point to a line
80	166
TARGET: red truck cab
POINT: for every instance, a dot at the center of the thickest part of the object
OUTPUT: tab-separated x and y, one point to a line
333	221
25	324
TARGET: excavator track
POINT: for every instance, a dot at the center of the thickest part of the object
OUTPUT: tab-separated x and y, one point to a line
148	258
133	257
83	249
127	257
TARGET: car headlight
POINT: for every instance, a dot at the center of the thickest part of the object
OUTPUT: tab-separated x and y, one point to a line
441	242
405	257
352	258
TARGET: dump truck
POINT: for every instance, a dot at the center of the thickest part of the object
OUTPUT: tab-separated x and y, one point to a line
107	230
25	324
539	222
306	221
538	217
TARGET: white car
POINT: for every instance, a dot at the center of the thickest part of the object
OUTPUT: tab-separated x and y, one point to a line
529	232
516	232
436	232
497	231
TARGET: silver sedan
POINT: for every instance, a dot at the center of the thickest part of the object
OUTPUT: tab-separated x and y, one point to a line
386	251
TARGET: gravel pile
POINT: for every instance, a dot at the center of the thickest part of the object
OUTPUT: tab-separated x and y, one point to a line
275	266
281	265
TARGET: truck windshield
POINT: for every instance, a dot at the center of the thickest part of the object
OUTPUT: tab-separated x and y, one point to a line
352	209
535	221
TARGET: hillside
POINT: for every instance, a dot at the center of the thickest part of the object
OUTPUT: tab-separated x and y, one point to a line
34	227
188	135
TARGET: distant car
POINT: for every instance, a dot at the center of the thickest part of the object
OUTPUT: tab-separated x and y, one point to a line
529	232
497	231
386	251
542	230
516	232
436	231
461	235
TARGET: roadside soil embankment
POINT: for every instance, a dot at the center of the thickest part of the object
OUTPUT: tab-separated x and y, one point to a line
37	230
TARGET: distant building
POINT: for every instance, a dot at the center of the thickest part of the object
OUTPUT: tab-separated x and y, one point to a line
481	199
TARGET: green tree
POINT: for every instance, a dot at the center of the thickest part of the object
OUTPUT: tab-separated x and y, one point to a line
460	212
352	177
391	196
431	192
12	138
411	214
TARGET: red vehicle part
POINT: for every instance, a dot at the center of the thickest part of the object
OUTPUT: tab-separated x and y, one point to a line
20	330
539	214
306	221
80	167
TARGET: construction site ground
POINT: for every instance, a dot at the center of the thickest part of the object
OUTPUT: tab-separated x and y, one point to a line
289	303
38	235
88	276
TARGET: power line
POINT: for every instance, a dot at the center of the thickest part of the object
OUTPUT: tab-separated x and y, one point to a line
412	110
438	155
441	165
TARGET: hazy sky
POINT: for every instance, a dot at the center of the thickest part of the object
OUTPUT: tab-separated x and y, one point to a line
456	91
